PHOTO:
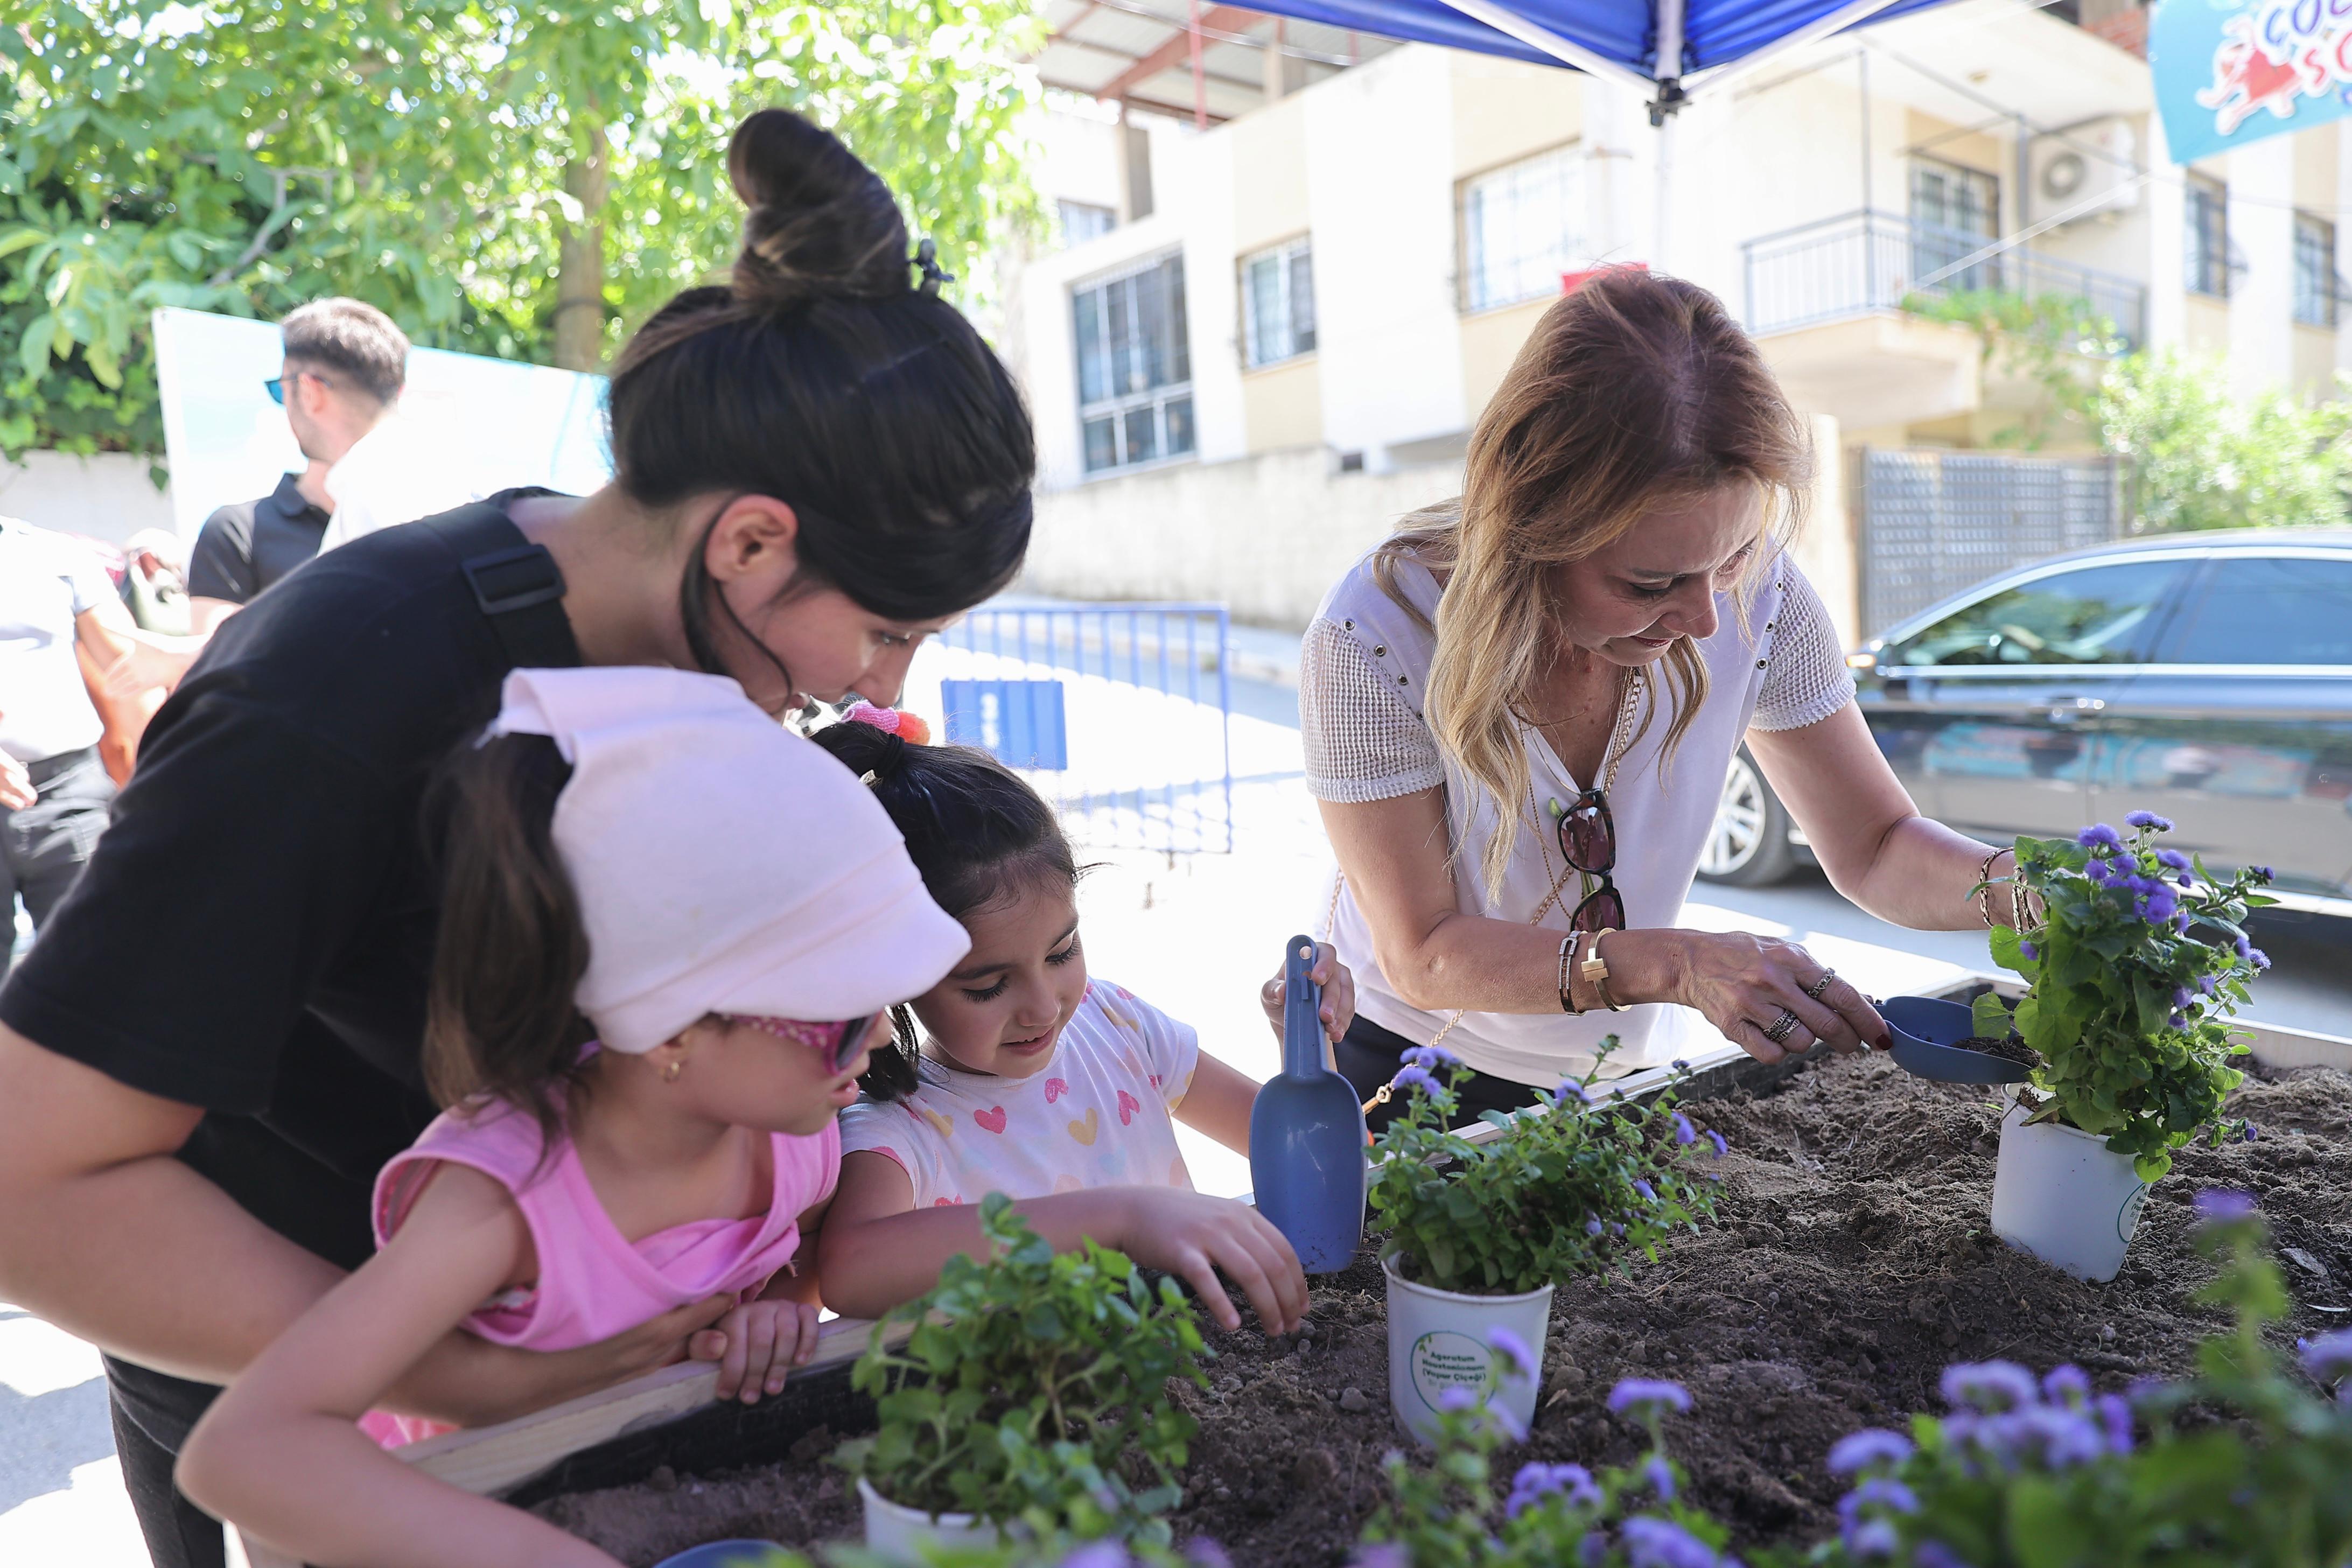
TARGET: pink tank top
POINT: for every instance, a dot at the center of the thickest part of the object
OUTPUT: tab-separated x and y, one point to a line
594	1282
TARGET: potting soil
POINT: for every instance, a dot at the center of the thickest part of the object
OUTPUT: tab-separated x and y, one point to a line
1851	1261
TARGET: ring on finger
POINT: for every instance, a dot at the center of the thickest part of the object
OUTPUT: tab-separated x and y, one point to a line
1823	984
1787	1024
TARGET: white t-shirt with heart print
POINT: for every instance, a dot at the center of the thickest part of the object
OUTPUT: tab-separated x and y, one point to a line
1096	1115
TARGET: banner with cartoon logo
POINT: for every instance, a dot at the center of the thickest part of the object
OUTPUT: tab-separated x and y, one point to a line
2233	71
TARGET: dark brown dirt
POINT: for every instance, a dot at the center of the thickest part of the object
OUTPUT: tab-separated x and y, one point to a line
1850	1264
2008	1049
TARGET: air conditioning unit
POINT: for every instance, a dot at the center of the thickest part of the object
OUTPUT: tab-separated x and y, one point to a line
2083	171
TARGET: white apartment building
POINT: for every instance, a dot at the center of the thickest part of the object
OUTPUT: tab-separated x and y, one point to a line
1290	281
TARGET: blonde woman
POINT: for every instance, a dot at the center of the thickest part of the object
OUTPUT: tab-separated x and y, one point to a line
1519	711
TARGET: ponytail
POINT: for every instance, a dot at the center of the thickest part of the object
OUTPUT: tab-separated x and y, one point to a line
500	1022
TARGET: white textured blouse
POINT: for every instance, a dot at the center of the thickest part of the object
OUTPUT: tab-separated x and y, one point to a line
1362	675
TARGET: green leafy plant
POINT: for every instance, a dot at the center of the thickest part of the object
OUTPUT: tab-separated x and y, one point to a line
2055	342
1447	1515
1031	1385
2027	1474
2199	456
1568	1188
2140	955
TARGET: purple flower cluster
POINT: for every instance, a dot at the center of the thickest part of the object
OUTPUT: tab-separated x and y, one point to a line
1641	1397
1535	1482
1519	1362
1716	1139
2329	1358
2099	836
2219	1205
1658	1543
1863	1516
1661	1477
1412	1077
1866	1449
1431	1058
2148	819
1684	1134
1988	1387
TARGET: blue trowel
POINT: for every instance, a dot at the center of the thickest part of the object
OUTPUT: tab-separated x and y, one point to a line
1306	1133
1927	1033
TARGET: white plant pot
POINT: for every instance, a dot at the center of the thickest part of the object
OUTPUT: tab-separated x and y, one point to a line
899	1533
2061	1195
1437	1341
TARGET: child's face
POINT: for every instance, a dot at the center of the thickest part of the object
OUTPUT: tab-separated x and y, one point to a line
1002	1010
741	1074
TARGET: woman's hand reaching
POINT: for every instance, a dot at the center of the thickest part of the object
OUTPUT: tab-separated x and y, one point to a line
1746	984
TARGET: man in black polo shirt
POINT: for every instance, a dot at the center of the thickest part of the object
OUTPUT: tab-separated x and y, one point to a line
345	365
247	546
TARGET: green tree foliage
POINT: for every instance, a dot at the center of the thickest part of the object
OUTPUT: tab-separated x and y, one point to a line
433	157
2199	457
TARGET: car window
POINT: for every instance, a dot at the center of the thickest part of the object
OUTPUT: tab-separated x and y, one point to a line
2271	610
2094	615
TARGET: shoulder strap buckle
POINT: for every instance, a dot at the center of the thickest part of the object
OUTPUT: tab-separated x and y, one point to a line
505	581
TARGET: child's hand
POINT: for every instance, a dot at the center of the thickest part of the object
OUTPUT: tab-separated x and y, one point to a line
756	1345
1338	994
1197	1238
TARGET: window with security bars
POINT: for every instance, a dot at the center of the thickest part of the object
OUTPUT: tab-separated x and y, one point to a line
2315	271
2207	233
1135	367
1522	227
1278	304
1954	212
1083	221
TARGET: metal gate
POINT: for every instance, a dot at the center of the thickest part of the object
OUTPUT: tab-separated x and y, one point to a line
1119	714
1932	522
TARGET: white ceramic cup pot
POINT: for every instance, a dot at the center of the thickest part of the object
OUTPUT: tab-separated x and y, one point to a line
2061	1195
1437	1341
899	1533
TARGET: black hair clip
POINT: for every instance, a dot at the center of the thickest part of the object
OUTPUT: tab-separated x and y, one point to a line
927	257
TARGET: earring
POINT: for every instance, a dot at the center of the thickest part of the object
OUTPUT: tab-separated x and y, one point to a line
676	1066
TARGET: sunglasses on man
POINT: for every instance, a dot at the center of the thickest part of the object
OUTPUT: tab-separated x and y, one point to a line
276	385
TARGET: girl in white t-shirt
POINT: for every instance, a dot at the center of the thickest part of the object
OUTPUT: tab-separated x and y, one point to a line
1019	1074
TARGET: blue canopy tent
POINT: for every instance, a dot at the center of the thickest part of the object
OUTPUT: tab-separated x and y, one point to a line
1667	48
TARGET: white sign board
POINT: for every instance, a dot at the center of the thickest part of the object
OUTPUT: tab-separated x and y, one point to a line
496	423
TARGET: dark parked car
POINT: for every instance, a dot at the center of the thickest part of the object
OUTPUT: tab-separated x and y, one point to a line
2204	676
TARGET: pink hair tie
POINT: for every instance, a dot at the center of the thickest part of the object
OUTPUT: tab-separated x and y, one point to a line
907	727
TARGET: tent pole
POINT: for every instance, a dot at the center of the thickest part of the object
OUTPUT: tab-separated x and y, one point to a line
1668	69
1199	81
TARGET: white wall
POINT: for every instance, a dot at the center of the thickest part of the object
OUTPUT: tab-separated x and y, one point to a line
108	497
1380	207
2262	229
1267	535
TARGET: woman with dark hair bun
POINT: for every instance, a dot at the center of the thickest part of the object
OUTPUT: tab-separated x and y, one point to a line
816	464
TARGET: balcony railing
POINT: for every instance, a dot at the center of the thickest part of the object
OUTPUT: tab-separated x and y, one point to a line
1865	261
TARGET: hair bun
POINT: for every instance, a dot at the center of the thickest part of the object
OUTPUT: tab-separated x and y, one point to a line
822	225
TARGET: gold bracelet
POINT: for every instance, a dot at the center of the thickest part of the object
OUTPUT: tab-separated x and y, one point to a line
1595	970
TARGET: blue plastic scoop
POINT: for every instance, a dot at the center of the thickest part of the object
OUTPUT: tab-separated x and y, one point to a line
725	1555
1924	1033
1306	1134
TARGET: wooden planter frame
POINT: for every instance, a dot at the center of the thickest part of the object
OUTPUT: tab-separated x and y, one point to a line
523	1459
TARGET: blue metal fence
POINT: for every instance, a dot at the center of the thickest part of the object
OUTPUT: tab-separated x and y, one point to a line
1119	713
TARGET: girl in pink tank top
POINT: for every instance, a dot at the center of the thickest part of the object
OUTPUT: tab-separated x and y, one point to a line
670	928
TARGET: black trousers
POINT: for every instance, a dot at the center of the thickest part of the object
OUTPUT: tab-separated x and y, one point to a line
153	1415
44	846
1369	1056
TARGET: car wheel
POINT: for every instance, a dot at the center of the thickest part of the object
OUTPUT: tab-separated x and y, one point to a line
1748	844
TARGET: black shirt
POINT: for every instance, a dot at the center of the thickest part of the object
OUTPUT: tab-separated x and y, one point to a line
255	932
246	547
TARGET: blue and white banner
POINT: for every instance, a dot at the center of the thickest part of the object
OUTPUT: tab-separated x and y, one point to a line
2233	71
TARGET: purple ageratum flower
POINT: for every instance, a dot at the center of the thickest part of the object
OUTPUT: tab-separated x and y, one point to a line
2160	904
1592	1551
1936	1554
2258	958
2264	873
1988	1387
1652	1543
1649	1194
1098	1555
1519	1361
1872	1540
2116	1420
1431	1058
2027	950
2208	984
1570	1090
1536	1482
2179	1020
2329	1357
2180	921
1661	1477
2066	1385
2099	836
2172	857
1457	1399
1593	1227
1684	1134
2245	947
1879	1491
2063	1438
1642	1396
2098	871
2217	1205
1383	1555
1505	1420
1716	1139
2148	819
1408	1079
2250	1133
2182	995
1871	1446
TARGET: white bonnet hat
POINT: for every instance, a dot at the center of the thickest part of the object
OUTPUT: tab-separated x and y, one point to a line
722	863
